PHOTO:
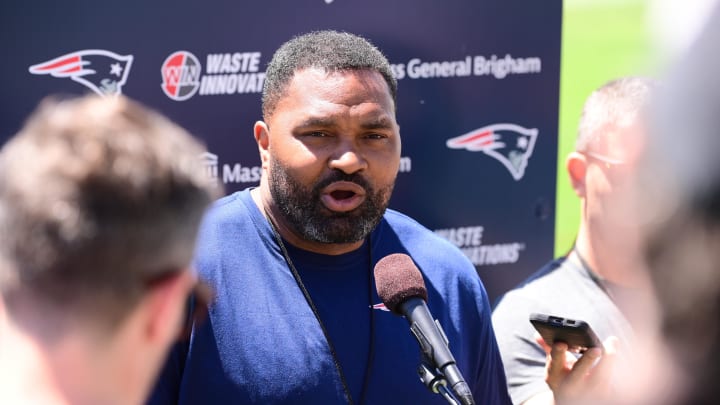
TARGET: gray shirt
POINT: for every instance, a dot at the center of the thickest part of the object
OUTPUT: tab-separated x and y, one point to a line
567	290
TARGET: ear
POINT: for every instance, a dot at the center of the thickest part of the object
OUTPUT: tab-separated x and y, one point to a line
262	137
576	165
164	305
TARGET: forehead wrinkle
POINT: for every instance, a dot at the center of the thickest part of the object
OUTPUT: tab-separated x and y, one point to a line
330	104
369	84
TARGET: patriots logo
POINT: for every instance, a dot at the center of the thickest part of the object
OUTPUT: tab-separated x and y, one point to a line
510	144
103	72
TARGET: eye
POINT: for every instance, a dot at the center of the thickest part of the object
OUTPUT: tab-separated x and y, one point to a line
317	134
375	136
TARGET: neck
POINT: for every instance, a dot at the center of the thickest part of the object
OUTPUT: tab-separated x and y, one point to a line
617	263
624	267
67	371
262	198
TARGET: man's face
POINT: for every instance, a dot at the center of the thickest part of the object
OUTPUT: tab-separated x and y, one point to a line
333	154
610	181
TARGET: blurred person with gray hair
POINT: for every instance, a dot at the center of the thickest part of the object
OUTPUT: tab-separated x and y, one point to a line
100	204
602	278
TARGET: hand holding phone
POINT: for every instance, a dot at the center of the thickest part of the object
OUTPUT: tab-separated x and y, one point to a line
578	334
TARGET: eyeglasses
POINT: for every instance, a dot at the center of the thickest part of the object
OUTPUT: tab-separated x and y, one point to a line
609	162
196	305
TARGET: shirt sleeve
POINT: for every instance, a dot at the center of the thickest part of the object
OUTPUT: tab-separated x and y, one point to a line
491	386
523	358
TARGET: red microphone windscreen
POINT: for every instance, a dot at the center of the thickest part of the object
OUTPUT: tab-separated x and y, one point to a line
397	279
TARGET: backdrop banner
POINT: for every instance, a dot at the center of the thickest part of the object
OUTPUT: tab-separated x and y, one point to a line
477	99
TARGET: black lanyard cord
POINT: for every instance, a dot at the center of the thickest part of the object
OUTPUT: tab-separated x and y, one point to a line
311	304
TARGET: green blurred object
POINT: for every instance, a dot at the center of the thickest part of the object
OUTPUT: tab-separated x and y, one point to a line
601	40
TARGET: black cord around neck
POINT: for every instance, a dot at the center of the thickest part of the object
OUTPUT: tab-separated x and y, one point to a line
311	304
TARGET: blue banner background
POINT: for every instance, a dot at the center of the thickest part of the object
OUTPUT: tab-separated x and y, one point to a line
510	222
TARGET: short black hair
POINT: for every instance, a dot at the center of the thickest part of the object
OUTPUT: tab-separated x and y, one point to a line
329	50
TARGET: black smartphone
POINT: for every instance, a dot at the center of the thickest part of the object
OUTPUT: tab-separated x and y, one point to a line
578	335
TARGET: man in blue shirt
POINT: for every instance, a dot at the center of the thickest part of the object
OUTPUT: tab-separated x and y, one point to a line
297	319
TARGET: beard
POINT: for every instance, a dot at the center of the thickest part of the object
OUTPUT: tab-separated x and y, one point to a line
303	210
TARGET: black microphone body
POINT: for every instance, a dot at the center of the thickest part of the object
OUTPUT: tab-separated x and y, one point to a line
434	345
401	287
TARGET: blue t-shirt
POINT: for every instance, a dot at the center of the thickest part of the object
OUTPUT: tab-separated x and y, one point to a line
262	343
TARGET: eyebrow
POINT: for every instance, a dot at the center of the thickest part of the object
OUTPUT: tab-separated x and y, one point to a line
382	122
378	123
317	122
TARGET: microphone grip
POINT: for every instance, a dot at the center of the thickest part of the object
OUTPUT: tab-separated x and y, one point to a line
434	345
458	384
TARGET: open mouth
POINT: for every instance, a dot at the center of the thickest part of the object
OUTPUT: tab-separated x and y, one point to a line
343	196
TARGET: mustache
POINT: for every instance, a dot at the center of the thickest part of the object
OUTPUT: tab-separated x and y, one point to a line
338	175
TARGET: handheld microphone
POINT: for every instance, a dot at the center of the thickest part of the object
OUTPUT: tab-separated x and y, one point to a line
401	288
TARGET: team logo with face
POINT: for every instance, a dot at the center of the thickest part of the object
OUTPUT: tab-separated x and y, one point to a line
181	75
511	144
101	71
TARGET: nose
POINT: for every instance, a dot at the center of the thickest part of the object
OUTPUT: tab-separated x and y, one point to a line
348	159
